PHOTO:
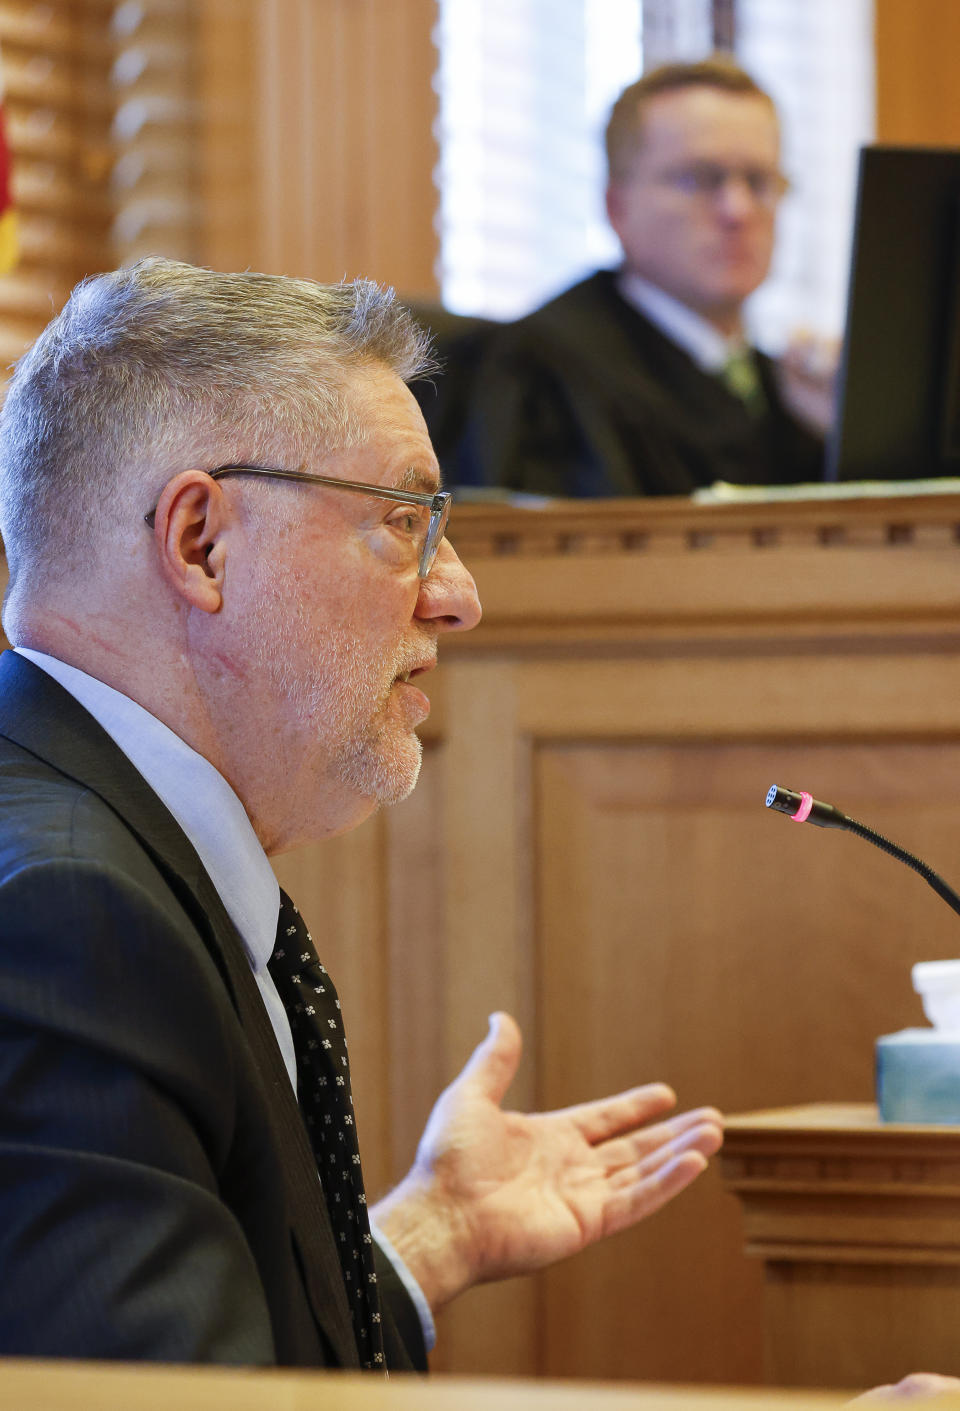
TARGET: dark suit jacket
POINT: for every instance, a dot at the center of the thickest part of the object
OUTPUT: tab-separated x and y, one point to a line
158	1196
585	397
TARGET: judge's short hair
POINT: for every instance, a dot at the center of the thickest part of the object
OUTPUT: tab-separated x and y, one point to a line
163	366
625	127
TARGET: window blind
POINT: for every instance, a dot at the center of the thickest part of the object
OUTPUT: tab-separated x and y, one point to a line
100	113
816	60
525	87
155	183
56	57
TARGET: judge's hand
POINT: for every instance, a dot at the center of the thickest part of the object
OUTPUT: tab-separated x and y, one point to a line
807	378
493	1193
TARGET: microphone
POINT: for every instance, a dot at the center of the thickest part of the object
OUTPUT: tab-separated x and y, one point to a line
804	808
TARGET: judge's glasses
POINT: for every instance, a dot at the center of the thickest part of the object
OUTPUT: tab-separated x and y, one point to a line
706	181
427	525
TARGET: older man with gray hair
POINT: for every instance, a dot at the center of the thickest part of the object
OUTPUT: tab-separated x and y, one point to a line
228	581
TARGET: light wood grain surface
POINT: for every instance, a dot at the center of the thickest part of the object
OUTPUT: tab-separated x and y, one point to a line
37	1386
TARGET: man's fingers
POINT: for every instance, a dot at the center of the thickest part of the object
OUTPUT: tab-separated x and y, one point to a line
640	1198
627	1168
612	1116
623	1114
493	1064
649	1137
705	1122
703	1137
703	1128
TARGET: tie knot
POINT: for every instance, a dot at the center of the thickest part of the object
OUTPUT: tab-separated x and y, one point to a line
294	946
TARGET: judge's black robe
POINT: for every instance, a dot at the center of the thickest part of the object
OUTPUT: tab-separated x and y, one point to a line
586	397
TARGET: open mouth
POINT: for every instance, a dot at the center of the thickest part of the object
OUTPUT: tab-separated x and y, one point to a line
413	697
407	676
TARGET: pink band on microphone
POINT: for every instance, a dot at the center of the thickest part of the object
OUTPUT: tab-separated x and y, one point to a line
803	812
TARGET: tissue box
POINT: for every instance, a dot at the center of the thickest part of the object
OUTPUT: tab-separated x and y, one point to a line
918	1076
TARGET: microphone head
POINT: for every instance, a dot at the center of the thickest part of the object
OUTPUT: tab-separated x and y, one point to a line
803	807
789	802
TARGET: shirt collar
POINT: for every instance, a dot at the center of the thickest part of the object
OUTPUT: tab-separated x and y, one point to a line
198	796
707	346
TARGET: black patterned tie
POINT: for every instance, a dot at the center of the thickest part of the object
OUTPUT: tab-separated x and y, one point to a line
323	1091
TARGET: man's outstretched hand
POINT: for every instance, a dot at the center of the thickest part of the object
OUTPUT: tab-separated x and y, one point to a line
493	1193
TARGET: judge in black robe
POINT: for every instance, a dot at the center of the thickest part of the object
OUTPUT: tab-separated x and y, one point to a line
586	397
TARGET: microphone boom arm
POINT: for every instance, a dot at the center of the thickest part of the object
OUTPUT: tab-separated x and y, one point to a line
802	808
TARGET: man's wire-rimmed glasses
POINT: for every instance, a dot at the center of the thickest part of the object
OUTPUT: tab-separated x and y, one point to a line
437	504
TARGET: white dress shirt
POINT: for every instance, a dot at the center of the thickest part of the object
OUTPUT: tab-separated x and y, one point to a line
708	347
214	820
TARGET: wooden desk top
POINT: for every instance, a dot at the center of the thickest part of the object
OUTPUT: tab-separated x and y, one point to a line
843	1121
46	1386
811	1117
833	1147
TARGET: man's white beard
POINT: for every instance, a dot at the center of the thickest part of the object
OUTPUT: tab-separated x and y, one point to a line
344	695
385	770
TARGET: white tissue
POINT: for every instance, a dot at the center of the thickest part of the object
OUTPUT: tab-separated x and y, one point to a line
937	982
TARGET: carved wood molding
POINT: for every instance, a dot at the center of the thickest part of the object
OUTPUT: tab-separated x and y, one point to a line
566	528
830	1183
628	570
840	1141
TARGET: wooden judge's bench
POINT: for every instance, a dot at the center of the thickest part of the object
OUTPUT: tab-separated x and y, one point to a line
589	849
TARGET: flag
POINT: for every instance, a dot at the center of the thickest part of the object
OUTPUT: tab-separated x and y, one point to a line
8	216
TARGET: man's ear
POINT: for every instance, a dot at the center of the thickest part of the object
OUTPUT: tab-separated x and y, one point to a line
188	529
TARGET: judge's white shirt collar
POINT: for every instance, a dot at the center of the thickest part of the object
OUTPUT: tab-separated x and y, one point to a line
707	346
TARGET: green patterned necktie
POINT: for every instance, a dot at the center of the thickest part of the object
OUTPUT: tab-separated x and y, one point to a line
741	376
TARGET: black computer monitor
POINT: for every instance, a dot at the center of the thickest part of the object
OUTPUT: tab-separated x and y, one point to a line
899	394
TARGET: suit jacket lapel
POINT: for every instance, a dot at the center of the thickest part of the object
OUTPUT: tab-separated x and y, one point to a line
40	716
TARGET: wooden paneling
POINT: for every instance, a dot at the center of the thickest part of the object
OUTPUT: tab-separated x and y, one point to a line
57	60
589	849
316	129
729	955
289	135
229	155
916	83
